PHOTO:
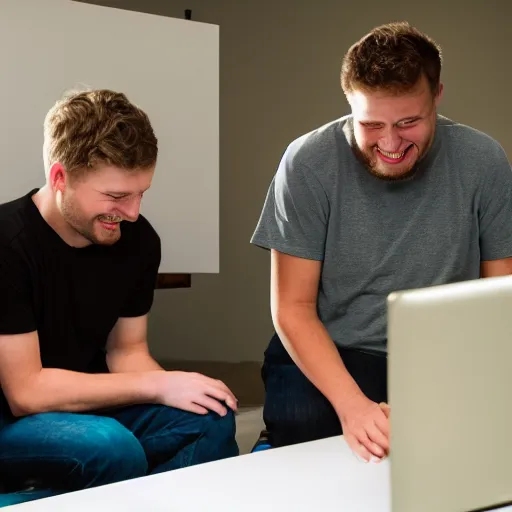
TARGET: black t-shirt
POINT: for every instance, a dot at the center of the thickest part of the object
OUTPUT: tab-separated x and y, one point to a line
71	296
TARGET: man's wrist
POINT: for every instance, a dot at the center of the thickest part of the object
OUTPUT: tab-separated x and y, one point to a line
151	385
346	400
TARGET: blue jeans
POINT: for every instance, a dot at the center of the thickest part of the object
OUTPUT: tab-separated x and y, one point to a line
295	411
72	451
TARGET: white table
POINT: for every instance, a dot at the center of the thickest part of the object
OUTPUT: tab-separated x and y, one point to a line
321	475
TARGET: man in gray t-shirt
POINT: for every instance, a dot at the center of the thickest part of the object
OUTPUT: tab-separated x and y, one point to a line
391	197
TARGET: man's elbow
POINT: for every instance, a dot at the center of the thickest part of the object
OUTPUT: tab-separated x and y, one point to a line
290	317
24	401
22	405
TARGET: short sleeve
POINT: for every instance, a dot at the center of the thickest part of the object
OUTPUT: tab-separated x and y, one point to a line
16	307
140	300
295	212
495	207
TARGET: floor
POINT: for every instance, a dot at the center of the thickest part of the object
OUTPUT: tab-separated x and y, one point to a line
249	424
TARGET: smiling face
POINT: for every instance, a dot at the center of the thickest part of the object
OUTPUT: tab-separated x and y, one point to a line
393	132
93	206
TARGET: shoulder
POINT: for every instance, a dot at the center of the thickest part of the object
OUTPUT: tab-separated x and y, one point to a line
470	145
320	148
13	220
15	240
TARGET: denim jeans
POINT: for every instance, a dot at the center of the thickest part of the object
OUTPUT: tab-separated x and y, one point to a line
72	451
295	411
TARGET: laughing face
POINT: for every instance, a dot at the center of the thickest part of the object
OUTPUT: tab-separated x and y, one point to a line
392	132
93	208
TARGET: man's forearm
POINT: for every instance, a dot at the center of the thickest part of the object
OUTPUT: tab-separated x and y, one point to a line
314	352
62	390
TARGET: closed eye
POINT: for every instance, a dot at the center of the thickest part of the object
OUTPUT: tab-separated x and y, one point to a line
408	122
371	126
114	196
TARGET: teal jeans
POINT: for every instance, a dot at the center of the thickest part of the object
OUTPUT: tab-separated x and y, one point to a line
69	451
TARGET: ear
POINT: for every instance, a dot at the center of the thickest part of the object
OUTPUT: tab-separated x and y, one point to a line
57	177
439	94
350	99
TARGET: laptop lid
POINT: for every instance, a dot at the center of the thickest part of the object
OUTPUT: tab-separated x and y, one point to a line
450	392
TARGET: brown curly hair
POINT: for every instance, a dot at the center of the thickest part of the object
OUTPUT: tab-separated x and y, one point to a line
89	128
392	58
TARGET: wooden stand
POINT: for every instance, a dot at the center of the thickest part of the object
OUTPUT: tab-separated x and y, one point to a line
165	281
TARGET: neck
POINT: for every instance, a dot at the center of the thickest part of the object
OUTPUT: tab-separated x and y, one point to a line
46	202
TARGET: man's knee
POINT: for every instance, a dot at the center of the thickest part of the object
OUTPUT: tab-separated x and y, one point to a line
184	439
222	428
218	436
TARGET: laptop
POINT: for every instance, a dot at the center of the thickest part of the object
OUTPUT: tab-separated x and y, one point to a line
450	392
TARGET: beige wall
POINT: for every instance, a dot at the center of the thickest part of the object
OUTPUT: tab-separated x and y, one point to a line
279	78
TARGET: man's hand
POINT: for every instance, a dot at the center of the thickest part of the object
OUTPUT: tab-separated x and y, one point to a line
193	392
366	428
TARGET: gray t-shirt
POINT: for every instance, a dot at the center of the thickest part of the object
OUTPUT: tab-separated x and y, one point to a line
375	236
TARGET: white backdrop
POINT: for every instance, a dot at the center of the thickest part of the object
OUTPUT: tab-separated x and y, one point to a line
168	66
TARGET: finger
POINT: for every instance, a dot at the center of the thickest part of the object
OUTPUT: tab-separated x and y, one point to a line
212	405
227	390
229	398
223	397
232	403
371	446
195	408
358	449
375	435
382	422
385	408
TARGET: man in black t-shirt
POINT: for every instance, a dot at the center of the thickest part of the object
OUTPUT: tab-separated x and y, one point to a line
83	402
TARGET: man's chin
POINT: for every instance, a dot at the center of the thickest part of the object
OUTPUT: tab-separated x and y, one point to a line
109	239
107	242
393	175
104	236
385	172
98	238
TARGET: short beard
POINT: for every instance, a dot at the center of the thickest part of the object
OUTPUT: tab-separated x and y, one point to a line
370	166
77	222
405	176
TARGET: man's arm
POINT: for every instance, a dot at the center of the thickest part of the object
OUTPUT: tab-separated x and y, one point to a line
31	389
127	348
496	268
294	290
28	387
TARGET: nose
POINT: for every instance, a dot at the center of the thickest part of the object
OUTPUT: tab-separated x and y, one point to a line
131	209
390	141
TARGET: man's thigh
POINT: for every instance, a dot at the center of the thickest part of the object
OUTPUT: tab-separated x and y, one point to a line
295	411
69	451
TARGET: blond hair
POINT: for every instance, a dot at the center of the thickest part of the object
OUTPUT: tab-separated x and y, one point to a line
86	129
